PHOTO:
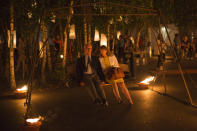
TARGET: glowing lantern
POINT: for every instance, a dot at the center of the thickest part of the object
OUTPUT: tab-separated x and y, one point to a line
29	14
143	61
137	61
72	32
132	39
118	34
53	18
14	39
34	4
103	40
96	35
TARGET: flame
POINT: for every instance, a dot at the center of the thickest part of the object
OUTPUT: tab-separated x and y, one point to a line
32	120
147	80
24	88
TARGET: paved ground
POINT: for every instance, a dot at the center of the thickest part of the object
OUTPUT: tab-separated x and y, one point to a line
71	109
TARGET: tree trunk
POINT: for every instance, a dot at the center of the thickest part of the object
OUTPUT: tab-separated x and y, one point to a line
89	34
61	34
49	57
65	48
65	33
12	74
44	36
85	31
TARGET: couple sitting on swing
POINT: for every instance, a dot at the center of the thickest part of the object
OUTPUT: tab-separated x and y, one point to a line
93	72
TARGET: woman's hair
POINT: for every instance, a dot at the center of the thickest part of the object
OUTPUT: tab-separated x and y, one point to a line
103	47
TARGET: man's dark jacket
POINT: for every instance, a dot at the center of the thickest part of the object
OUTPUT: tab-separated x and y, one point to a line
95	65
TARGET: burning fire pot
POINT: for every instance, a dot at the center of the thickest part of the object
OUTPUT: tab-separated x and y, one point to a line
145	83
32	124
21	92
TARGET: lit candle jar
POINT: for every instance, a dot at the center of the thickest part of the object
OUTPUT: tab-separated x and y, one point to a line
21	92
32	124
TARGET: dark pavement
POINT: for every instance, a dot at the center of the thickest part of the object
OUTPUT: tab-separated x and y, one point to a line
70	109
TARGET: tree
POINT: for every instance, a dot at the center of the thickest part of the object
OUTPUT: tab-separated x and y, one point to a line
12	74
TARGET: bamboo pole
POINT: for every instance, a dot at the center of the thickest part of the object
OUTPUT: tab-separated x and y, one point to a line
12	74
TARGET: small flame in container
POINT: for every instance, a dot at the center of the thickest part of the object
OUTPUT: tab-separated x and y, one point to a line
147	80
32	120
23	89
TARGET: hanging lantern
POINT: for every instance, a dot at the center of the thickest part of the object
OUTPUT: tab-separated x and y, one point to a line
132	40
14	39
103	40
34	4
41	49
29	14
118	34
96	35
72	32
53	17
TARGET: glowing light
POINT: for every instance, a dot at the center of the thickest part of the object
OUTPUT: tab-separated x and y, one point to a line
29	14
96	35
118	34
72	32
14	38
150	51
32	120
34	4
103	40
119	19
41	49
22	90
132	39
53	18
61	56
147	80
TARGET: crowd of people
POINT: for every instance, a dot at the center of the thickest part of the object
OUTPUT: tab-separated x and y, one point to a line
185	47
